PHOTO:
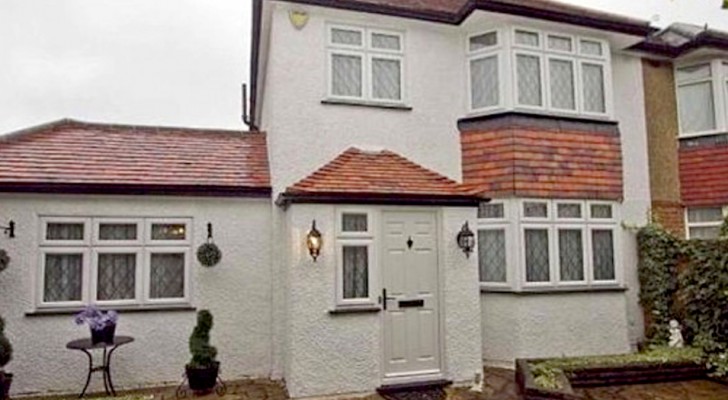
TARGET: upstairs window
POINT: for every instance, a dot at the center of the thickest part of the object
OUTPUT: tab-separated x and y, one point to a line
538	71
702	96
365	65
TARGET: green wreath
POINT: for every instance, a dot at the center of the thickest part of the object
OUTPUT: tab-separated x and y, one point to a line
4	260
209	254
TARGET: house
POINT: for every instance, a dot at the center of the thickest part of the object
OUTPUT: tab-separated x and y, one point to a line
686	84
390	128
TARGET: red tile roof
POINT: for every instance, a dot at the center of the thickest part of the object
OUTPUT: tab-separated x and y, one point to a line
455	11
88	157
380	175
541	162
704	175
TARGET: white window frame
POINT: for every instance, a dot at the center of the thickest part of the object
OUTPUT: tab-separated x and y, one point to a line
516	223
364	239
719	85
508	51
138	285
711	224
91	247
367	53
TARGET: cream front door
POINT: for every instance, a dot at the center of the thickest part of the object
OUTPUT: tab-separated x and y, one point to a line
410	295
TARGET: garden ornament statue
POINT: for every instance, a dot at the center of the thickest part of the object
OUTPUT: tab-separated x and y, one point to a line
676	337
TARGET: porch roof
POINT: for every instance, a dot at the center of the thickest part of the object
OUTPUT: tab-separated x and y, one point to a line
69	156
378	177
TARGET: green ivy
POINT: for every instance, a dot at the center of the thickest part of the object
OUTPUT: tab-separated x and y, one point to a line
686	280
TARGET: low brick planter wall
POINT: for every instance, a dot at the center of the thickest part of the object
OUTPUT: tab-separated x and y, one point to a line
603	376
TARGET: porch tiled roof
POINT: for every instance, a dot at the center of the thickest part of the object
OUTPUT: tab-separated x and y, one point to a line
378	174
84	157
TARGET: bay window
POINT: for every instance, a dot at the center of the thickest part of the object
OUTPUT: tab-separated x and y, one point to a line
702	97
538	71
704	222
547	244
365	65
113	261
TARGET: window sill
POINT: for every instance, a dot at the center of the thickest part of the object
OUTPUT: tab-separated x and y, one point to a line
553	290
355	310
121	310
369	104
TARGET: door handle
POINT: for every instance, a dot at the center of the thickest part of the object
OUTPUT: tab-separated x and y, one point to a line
383	299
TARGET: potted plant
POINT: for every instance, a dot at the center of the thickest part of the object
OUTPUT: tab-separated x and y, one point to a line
6	354
203	369
102	324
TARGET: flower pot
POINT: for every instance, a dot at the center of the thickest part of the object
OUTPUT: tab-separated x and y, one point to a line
5	381
104	335
202	379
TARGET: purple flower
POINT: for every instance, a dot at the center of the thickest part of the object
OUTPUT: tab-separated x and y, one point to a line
96	318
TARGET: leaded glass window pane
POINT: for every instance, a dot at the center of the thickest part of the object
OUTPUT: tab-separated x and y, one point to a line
354	222
386	79
697	111
701	71
527	38
167	276
492	255
712	214
528	69
169	231
560	43
491	211
356	272
537	255
591	48
484	82
116	277
346	37
64	231
63	277
117	231
568	210
561	79
601	211
533	209
483	41
386	42
593	88
603	254
705	232
346	75
571	255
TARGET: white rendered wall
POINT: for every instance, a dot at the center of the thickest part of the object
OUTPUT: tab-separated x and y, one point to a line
237	291
340	354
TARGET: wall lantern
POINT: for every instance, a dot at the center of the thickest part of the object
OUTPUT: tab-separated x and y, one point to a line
466	240
314	242
9	230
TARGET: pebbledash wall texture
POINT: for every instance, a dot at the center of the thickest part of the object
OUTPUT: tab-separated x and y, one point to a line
237	291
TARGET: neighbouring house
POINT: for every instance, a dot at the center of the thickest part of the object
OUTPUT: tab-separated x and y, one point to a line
686	91
390	128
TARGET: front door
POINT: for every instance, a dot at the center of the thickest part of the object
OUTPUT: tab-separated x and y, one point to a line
410	295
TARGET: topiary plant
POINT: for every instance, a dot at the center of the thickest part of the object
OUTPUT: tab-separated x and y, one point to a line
6	350
203	355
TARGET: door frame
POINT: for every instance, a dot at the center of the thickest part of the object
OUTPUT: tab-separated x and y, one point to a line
413	378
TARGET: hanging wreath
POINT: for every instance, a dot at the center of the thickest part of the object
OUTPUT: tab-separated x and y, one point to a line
4	260
209	254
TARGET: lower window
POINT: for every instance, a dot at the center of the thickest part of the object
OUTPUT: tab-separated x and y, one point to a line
704	222
113	261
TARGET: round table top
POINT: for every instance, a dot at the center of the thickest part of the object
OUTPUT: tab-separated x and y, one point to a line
86	344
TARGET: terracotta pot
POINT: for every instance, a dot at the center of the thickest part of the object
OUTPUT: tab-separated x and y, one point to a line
202	379
105	335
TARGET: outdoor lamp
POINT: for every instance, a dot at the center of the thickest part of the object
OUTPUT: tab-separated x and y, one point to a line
314	242
466	240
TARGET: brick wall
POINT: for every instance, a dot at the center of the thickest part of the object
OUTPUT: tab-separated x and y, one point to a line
542	160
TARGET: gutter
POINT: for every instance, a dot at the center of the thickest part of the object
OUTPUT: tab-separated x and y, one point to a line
288	198
135	189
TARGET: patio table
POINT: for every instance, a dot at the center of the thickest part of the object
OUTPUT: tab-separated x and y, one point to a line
86	346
